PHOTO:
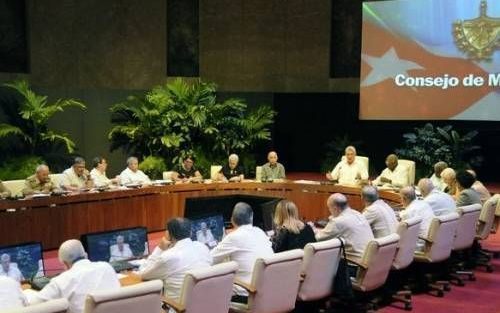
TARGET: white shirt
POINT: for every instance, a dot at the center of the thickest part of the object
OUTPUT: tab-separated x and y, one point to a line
206	238
347	174
74	284
381	218
11	295
441	203
116	255
13	272
438	182
172	264
128	177
100	179
423	210
353	227
244	246
70	178
398	177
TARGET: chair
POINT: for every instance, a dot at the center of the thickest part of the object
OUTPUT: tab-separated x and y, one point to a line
410	165
144	297
362	159
483	230
15	187
258	173
321	260
214	170
274	284
51	306
438	245
206	290
496	222
167	175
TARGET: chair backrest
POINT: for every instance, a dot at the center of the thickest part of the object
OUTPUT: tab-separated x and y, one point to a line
441	236
486	218
258	173
209	289
410	165
408	231
466	229
144	297
167	175
378	257
51	306
214	170
15	187
56	178
321	260
362	159
276	279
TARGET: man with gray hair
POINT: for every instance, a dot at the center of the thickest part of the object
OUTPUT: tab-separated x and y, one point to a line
40	182
132	174
80	278
77	177
120	251
379	214
479	187
416	208
436	178
10	270
232	171
245	244
349	171
347	223
441	203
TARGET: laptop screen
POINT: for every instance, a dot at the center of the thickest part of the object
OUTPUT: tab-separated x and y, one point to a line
117	245
208	230
22	261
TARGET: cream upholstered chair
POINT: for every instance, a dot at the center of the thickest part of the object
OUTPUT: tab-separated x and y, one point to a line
258	173
15	187
483	230
496	222
144	297
321	260
206	289
214	170
410	165
363	160
51	306
274	285
438	245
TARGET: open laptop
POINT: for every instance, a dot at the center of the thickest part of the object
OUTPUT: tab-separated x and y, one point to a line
208	230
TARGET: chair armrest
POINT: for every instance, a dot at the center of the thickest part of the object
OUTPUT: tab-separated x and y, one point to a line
244	285
179	308
425	239
356	261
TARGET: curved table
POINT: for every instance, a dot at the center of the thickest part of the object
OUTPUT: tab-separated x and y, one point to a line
54	219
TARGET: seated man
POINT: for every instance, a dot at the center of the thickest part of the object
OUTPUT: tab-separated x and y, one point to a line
349	171
98	173
232	171
436	178
244	245
347	223
441	203
205	236
395	175
479	187
80	278
416	208
120	251
273	170
40	182
4	192
11	295
379	214
132	174
76	177
9	270
175	255
186	172
467	195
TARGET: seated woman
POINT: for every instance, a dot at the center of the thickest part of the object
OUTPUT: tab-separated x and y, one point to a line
186	172
291	232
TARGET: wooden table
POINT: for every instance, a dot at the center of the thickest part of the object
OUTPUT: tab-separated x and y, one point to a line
52	220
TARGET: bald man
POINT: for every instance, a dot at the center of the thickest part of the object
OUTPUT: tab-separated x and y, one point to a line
416	208
395	175
479	187
441	203
40	182
273	170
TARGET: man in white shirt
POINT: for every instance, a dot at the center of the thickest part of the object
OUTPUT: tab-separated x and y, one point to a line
347	223
441	203
120	250
349	171
245	244
76	177
9	270
205	236
81	277
436	178
395	175
175	255
379	214
416	208
98	173
132	174
11	295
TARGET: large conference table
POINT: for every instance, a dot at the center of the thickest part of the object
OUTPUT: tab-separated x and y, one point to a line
51	220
